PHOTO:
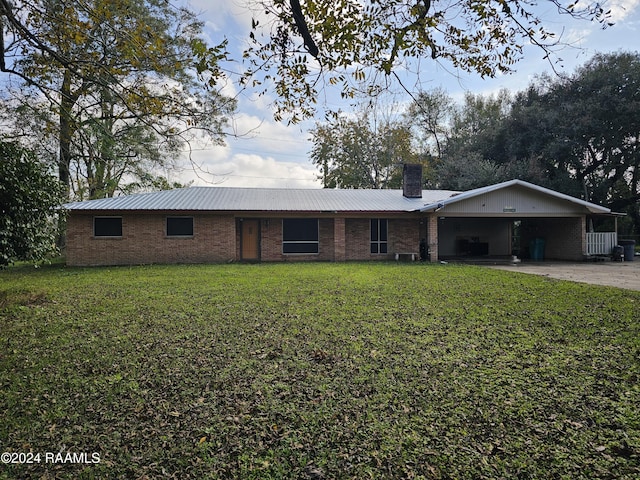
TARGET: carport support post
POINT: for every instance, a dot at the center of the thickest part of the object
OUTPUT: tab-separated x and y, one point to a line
432	236
583	239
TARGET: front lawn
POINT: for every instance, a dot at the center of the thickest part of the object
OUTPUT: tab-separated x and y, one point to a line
318	371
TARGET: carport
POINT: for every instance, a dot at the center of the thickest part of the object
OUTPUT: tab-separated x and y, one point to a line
510	218
538	238
476	236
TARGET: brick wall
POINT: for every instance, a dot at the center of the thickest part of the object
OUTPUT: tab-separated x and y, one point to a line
144	241
339	240
432	237
217	238
342	239
403	236
271	243
565	238
358	239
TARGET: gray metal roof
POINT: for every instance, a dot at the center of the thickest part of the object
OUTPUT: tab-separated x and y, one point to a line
303	200
266	199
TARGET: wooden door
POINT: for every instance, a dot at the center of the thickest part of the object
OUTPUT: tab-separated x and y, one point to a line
250	241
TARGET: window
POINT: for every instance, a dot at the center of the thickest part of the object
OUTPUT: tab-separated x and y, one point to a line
107	226
378	235
300	235
179	226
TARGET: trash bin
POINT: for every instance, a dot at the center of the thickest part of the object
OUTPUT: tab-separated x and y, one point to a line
617	253
536	249
629	247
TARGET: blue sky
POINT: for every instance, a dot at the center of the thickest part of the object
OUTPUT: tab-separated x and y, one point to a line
271	154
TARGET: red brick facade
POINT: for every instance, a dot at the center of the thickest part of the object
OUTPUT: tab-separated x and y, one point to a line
403	236
144	240
217	238
271	242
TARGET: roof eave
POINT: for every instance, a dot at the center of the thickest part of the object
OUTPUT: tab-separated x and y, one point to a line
591	207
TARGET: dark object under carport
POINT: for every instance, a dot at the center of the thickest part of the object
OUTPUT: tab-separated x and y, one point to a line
629	249
536	249
617	253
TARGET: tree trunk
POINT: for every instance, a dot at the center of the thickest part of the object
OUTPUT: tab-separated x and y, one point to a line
66	132
67	129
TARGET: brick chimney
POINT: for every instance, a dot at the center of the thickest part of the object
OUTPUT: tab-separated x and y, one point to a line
412	180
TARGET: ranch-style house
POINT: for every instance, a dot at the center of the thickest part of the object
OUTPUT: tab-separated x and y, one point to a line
218	224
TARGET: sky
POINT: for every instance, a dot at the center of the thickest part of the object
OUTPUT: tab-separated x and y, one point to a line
260	152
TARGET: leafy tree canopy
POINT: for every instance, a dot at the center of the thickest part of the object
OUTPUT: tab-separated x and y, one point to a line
301	45
358	45
111	89
587	125
578	134
29	197
362	152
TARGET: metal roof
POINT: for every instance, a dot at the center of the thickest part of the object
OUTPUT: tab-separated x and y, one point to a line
266	199
304	200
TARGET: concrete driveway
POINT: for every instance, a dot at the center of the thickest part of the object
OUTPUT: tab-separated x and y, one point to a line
614	274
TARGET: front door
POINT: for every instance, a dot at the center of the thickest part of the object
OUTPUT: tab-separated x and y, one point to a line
250	240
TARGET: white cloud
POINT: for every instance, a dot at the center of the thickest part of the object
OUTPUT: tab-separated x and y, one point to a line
264	154
248	170
264	136
254	170
218	14
621	9
259	151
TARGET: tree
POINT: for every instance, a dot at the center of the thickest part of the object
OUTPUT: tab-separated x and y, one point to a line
473	155
578	134
431	115
29	197
120	85
149	182
361	152
360	45
587	125
530	139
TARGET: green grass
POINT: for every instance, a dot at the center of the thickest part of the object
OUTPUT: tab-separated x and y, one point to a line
318	371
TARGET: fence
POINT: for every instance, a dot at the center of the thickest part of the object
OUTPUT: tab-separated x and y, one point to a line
601	243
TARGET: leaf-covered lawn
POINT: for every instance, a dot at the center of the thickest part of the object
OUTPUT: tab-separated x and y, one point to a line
319	371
